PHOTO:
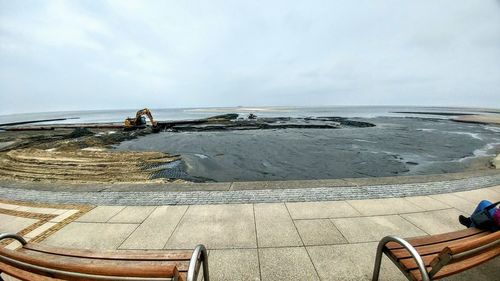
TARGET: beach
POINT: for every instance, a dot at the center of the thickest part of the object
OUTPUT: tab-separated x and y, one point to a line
280	144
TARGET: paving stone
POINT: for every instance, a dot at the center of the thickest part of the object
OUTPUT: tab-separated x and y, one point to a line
456	202
39	230
234	265
495	188
65	215
367	229
427	203
215	226
36	210
319	232
59	211
435	222
476	196
100	214
133	214
351	262
13	224
100	236
284	264
155	231
387	206
8	206
275	227
317	210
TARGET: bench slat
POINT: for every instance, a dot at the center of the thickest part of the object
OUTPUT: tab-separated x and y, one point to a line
182	265
180	255
426	240
24	275
409	263
433	248
467	246
462	265
98	267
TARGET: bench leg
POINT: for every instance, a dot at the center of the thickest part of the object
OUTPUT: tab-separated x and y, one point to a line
408	247
200	256
378	261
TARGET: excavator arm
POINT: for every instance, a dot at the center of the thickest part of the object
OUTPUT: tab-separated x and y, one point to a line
146	112
131	123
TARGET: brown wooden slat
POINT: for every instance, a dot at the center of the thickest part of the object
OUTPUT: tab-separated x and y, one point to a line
426	240
182	265
462	265
409	263
181	255
24	275
469	245
433	248
96	266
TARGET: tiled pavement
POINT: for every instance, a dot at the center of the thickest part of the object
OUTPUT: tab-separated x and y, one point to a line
329	240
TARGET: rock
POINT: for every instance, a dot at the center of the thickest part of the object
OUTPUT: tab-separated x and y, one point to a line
80	132
229	116
496	162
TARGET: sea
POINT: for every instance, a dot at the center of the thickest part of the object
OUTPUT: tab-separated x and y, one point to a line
405	141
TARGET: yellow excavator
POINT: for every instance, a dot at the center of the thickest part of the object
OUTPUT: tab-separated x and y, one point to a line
139	121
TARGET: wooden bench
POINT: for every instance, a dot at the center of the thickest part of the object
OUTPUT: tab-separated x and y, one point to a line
36	262
437	256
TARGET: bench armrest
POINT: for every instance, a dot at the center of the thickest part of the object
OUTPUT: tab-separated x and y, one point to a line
408	247
13	236
199	257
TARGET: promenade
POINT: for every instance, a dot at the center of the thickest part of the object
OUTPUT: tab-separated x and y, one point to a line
326	240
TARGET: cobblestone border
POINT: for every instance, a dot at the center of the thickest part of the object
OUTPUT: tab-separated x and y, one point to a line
42	205
155	198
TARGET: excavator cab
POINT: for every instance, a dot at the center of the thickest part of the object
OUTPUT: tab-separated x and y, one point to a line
139	122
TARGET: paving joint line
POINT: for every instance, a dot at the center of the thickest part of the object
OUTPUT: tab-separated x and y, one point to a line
302	241
256	241
176	226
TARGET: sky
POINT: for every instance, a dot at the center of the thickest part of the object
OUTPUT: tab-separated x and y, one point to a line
77	55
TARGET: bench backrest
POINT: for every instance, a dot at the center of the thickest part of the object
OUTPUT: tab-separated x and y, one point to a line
462	256
37	262
25	265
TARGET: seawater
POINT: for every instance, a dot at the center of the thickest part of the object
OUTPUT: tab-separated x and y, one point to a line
98	116
400	144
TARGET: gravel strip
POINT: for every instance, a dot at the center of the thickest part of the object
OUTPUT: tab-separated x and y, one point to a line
248	196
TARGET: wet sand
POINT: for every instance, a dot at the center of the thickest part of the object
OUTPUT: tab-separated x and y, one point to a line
76	156
480	119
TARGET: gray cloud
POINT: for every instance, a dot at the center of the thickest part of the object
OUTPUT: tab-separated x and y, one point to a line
70	55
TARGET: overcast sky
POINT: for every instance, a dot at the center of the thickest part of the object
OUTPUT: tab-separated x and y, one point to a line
72	55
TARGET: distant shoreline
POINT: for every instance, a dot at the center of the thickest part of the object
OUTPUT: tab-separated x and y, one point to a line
478	119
